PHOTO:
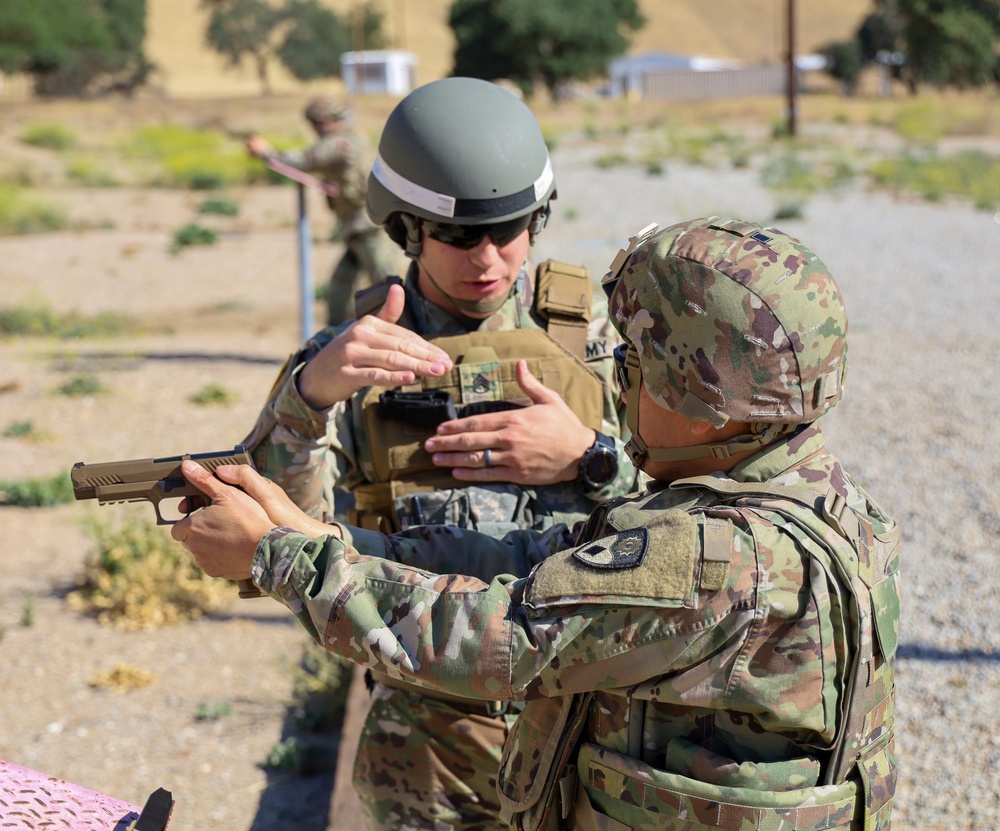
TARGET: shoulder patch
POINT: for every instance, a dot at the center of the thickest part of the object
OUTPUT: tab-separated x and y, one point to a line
624	550
654	561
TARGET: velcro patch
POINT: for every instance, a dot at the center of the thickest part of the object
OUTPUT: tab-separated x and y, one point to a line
655	560
624	550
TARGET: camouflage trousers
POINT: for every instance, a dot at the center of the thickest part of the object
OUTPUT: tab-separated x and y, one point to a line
426	764
360	266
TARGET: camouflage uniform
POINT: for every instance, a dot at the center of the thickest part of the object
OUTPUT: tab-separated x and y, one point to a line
706	618
716	653
445	750
338	158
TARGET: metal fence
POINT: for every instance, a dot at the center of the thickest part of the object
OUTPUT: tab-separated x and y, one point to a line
717	83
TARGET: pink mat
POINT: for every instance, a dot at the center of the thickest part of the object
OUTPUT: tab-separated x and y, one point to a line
32	800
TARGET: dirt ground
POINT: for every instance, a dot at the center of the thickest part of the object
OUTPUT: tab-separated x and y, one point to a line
228	315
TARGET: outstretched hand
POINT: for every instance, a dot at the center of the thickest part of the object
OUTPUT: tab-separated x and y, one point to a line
373	351
244	507
540	444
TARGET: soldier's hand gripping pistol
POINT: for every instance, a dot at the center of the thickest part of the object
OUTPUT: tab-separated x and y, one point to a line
158	481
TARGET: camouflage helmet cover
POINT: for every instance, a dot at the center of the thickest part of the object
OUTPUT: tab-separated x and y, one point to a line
731	320
325	108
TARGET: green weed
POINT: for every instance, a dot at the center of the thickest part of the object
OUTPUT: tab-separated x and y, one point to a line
320	686
197	159
607	161
213	395
28	611
19	430
37	493
39	321
137	577
213	711
89	173
219	207
789	210
82	385
192	234
50	135
301	757
793	177
971	175
23	215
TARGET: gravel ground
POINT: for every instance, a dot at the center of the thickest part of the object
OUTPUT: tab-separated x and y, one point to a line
922	300
914	427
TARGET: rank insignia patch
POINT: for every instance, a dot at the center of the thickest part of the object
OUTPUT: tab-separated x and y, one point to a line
624	550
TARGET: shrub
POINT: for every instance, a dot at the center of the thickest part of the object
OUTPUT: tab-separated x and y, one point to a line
87	172
50	135
37	493
970	175
82	385
122	678
196	159
192	234
21	215
320	686
219	207
136	577
213	394
39	321
19	430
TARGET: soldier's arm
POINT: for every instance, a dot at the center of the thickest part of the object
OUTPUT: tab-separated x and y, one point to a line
562	629
307	451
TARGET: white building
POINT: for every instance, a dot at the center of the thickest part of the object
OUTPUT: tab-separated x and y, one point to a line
379	72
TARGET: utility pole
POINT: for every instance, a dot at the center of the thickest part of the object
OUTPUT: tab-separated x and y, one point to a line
790	33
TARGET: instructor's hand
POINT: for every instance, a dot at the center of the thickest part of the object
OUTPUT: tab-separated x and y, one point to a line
536	445
373	351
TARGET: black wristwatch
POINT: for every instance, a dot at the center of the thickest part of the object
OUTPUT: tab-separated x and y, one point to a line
599	465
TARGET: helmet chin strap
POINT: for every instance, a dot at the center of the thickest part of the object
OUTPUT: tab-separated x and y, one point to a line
640	452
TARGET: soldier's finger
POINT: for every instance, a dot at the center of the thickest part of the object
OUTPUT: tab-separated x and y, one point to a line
462	441
392	309
533	388
245	478
202	479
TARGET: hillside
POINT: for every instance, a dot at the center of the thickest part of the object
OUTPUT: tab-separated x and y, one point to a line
754	31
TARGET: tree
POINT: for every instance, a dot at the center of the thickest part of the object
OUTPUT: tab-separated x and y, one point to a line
949	42
844	63
307	38
243	28
316	38
75	47
533	42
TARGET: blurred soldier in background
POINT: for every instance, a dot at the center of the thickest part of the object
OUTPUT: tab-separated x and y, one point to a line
337	158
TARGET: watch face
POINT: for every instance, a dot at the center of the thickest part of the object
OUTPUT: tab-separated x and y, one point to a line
599	465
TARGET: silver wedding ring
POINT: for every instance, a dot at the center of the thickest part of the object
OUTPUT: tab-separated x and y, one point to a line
488	456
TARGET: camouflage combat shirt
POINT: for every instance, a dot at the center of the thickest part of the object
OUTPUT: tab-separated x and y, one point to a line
309	452
339	159
726	623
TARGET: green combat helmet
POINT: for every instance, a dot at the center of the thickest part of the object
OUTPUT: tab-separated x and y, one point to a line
727	320
457	153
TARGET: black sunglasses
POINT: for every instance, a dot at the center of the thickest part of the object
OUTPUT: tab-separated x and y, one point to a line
468	237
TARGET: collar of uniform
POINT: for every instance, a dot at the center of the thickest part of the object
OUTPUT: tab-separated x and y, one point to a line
780	456
430	319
